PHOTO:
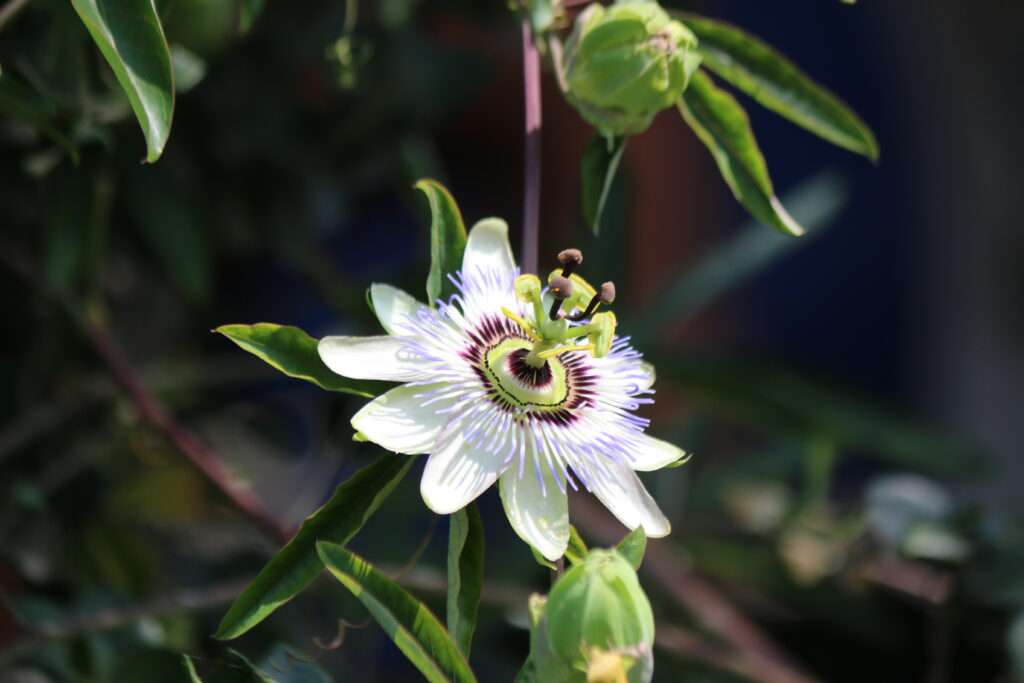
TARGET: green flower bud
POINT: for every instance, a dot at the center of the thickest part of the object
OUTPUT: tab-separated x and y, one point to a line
627	62
599	619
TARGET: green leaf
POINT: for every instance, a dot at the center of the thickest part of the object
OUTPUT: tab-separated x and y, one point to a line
817	202
129	35
20	102
722	125
577	550
775	82
465	574
190	669
297	563
541	14
791	405
294	353
412	627
447	239
597	172
633	547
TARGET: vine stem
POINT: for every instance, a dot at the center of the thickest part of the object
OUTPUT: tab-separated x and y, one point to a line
532	150
11	10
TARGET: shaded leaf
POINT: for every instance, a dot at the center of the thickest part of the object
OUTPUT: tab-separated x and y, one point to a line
129	35
784	402
23	104
722	125
294	353
465	574
775	82
447	239
297	563
412	627
633	547
597	173
817	202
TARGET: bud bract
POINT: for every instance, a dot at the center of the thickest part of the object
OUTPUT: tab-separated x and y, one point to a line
627	62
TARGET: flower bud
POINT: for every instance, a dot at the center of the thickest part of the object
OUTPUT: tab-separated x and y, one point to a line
627	62
599	620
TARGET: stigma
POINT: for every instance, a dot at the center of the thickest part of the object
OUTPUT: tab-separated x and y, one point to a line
565	312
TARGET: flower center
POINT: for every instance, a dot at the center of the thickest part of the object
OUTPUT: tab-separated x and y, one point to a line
522	384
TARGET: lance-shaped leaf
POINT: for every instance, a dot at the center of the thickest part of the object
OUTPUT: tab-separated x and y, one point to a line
447	239
465	574
20	102
129	34
597	173
294	353
722	125
772	80
412	627
297	563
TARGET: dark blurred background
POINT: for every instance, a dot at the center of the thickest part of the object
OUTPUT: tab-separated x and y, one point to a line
852	398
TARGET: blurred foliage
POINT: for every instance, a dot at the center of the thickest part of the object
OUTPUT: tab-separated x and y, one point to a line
284	188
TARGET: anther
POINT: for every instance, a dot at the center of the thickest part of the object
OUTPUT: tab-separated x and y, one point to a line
605	295
571	259
561	289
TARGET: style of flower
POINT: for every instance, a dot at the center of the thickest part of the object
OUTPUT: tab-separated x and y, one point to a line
513	382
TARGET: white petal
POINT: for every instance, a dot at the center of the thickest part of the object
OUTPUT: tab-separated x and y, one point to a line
488	249
650	454
369	358
392	306
648	370
398	420
540	517
457	472
622	492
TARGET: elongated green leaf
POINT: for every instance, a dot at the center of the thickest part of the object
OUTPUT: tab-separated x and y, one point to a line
633	547
129	35
722	125
447	239
413	628
816	202
792	405
775	82
190	669
297	563
465	574
577	550
20	102
597	173
294	353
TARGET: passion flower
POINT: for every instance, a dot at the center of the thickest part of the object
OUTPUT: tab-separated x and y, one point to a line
514	381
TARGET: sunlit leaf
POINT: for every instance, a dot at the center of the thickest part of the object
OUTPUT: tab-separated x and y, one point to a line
597	173
722	125
297	563
465	574
775	82
294	353
633	547
412	627
129	35
447	239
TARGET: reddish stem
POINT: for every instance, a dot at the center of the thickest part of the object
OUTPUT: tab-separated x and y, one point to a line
531	191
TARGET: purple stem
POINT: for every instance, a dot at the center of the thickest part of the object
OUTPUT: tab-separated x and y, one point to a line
531	193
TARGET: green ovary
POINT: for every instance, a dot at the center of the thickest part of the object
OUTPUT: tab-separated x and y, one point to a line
550	392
